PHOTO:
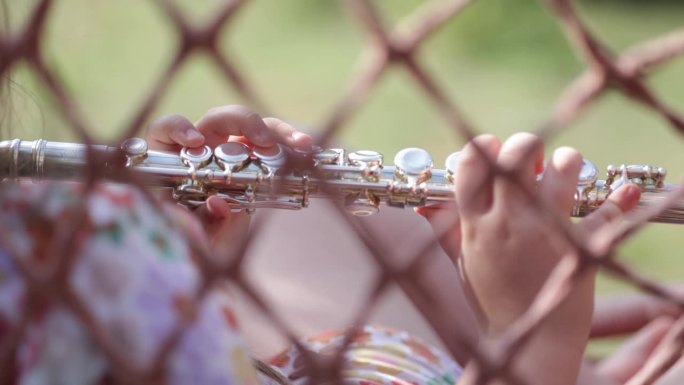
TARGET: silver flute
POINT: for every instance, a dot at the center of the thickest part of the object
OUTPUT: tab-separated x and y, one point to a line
279	177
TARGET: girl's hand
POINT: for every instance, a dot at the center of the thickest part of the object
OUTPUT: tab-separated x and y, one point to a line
218	125
509	246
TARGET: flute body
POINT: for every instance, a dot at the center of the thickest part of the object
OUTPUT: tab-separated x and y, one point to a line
248	178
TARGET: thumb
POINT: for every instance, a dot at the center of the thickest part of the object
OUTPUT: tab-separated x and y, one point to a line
212	214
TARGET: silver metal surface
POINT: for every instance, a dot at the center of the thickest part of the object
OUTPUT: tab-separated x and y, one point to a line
134	147
135	150
413	166
273	158
588	174
328	156
451	163
246	179
365	158
362	205
196	157
232	156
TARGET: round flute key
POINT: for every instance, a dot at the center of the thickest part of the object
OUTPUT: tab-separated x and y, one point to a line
272	157
451	163
365	158
413	164
313	150
328	156
302	160
196	157
134	147
588	174
232	156
135	150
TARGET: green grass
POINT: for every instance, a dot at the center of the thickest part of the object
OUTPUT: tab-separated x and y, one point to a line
503	62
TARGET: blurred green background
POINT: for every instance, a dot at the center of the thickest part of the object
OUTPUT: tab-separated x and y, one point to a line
503	62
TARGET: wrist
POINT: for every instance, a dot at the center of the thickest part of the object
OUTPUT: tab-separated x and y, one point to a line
570	320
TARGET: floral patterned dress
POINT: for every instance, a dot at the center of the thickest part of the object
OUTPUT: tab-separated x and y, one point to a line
134	277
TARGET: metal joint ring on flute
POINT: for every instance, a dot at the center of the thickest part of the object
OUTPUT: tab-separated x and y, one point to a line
252	178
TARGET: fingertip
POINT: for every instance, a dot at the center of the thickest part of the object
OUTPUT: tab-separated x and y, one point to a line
256	129
539	166
301	140
558	185
481	150
472	179
193	136
188	137
626	196
633	193
566	163
427	212
219	123
567	160
183	217
522	151
619	202
217	208
287	134
487	142
170	132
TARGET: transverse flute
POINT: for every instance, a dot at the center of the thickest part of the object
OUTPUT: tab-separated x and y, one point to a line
248	178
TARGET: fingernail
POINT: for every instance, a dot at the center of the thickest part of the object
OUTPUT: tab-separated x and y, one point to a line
192	135
629	194
633	191
299	140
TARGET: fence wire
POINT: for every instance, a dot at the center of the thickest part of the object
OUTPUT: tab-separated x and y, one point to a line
386	46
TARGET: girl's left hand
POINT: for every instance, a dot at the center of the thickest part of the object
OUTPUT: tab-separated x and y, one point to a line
218	125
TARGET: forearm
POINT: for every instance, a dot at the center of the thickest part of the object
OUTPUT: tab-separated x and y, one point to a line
554	352
542	361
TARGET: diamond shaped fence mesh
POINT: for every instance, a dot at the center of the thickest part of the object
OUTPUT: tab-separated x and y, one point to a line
56	280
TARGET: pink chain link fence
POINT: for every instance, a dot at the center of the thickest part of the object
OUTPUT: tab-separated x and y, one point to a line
385	47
